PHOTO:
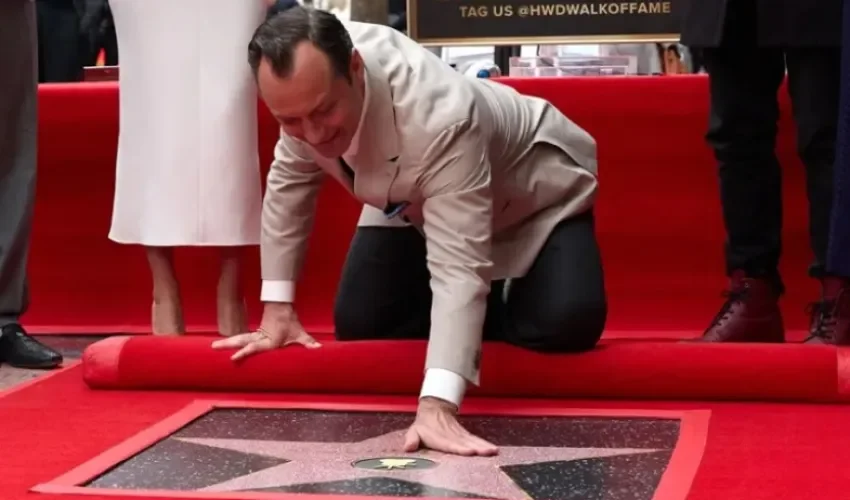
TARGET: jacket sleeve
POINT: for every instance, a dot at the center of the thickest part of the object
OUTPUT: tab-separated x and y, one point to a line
289	207
457	212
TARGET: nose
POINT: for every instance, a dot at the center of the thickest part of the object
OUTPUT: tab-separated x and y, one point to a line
313	133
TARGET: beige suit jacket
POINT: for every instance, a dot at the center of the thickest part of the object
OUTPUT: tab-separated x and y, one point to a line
487	173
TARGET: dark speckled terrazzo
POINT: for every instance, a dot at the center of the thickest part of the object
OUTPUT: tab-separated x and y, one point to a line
551	458
175	465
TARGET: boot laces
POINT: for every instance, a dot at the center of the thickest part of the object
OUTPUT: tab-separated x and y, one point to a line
732	297
824	319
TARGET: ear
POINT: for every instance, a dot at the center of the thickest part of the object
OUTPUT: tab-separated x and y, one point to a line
356	66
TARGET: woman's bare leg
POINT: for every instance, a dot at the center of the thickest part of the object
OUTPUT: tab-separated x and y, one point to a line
167	309
232	318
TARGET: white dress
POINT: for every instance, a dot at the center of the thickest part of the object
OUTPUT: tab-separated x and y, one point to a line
188	168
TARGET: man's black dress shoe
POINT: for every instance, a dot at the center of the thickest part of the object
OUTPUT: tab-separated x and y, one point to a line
22	351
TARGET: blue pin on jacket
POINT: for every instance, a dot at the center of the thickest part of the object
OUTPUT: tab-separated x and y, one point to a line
483	70
395	209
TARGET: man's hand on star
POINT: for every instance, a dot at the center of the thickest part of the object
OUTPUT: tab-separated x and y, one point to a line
436	427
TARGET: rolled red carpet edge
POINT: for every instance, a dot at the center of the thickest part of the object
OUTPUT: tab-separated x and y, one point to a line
661	370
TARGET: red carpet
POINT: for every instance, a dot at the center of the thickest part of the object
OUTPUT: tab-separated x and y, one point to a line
661	236
658	215
616	370
753	451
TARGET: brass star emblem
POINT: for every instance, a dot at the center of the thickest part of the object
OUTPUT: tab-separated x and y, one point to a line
390	463
396	463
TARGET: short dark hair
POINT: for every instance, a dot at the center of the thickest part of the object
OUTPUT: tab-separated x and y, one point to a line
275	40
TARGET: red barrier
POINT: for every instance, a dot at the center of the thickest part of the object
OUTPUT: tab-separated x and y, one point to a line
658	214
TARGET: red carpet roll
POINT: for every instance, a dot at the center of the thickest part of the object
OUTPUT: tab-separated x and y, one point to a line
616	370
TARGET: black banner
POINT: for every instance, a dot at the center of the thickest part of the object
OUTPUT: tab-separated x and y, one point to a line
498	22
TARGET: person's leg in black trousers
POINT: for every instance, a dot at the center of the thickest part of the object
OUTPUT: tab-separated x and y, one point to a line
838	252
559	306
743	120
813	76
60	42
384	291
813	84
744	79
838	256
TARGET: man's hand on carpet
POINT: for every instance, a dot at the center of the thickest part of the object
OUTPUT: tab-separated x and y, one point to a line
436	428
280	327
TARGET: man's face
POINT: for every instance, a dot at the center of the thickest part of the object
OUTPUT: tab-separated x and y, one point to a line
314	104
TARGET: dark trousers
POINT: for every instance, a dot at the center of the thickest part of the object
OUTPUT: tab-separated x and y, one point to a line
18	152
838	258
742	131
744	79
60	44
559	306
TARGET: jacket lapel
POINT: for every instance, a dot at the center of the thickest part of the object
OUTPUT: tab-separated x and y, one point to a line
377	159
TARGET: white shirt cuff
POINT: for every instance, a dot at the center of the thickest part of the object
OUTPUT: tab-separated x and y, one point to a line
277	291
443	384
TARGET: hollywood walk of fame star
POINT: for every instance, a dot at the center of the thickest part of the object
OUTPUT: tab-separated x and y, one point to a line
317	462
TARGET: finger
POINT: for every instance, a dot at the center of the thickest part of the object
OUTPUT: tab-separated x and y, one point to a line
411	441
306	340
240	340
481	447
446	441
456	447
252	348
475	443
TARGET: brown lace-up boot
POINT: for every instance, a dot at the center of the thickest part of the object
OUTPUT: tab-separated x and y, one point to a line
750	313
830	318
